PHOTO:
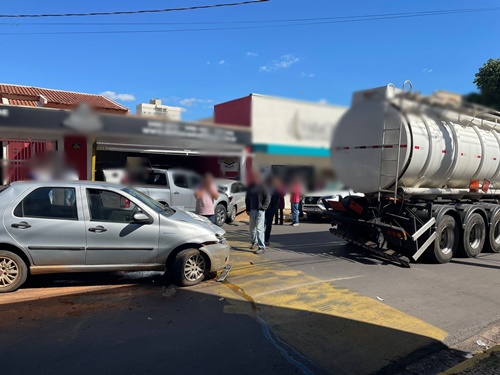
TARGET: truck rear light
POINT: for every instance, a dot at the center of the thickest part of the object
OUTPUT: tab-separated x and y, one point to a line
336	206
356	207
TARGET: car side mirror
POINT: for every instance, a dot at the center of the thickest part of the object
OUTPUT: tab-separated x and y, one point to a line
141	218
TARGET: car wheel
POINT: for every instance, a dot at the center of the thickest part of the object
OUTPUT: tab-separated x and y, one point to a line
474	236
232	216
190	267
446	242
13	272
220	215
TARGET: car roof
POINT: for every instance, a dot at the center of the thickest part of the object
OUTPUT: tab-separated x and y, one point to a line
55	183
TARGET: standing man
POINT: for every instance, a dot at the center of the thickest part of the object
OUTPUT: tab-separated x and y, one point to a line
257	201
205	195
272	188
295	197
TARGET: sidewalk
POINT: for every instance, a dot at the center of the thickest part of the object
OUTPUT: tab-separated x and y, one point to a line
487	363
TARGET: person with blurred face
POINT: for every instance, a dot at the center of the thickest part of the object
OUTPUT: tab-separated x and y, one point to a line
272	188
205	195
257	201
295	198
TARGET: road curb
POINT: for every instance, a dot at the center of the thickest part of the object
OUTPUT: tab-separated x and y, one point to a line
471	362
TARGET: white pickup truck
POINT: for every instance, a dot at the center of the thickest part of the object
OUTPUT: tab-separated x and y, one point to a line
174	187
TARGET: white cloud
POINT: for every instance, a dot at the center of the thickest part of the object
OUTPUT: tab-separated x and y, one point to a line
189	102
222	62
252	54
427	70
284	62
208	62
323	101
306	75
115	96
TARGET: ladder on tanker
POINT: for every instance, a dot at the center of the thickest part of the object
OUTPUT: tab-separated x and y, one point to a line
391	152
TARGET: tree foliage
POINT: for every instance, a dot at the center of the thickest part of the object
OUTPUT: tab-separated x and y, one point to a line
487	81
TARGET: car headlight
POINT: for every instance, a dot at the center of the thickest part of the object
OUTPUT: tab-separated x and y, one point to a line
221	239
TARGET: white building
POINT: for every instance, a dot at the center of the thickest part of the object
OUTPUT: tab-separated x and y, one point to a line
155	108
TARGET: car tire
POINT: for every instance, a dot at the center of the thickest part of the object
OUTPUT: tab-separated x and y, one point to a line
493	243
220	215
232	215
474	236
13	271
190	267
446	242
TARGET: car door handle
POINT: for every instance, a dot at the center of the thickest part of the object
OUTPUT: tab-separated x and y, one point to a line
176	192
98	229
21	225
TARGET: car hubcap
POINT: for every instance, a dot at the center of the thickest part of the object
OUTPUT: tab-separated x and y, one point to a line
8	271
194	268
446	240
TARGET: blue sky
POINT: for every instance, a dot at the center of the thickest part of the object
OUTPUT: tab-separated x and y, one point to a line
200	68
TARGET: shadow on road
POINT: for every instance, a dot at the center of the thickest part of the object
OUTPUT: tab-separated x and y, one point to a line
139	330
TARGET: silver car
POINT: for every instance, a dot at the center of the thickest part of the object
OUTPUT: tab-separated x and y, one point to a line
173	187
81	226
236	193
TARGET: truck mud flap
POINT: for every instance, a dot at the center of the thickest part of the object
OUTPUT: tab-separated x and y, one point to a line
401	261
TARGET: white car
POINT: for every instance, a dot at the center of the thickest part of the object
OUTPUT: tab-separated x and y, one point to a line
236	193
313	202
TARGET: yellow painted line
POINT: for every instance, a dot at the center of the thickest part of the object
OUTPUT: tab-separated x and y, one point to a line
306	284
273	283
471	362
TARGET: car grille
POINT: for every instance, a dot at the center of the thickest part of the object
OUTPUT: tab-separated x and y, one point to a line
312	200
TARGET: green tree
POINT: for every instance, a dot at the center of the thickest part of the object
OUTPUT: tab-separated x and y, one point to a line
487	81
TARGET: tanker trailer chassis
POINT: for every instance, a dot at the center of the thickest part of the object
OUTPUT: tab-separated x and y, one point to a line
403	230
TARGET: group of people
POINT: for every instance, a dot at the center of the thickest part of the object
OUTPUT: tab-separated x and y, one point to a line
264	204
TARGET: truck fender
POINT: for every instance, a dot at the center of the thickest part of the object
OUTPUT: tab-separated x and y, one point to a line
470	209
440	211
491	209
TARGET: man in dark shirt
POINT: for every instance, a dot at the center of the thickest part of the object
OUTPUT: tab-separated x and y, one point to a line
257	201
272	188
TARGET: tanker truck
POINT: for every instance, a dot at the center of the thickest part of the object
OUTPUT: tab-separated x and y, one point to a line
428	168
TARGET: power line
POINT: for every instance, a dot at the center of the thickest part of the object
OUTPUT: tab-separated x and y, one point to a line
248	2
321	21
368	16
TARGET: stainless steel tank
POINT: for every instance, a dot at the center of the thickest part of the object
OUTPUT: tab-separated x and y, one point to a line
383	139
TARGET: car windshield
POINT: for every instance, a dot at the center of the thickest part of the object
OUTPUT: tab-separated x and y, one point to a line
150	202
223	188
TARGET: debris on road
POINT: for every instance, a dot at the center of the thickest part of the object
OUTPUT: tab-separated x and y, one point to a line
380	299
481	343
170	291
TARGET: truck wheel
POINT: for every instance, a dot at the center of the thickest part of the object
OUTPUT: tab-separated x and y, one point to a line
13	272
220	215
474	235
189	268
232	215
446	242
494	233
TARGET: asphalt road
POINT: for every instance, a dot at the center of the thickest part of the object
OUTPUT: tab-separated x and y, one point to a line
310	305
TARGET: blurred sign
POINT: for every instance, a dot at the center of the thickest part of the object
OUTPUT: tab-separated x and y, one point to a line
229	164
